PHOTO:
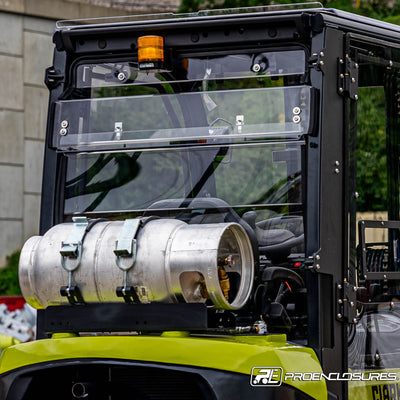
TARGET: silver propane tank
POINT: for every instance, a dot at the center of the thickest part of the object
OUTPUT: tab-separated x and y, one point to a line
164	260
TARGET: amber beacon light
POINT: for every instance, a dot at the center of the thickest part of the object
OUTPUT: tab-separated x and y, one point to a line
150	49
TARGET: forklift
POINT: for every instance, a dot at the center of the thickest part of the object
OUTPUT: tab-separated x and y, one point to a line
220	213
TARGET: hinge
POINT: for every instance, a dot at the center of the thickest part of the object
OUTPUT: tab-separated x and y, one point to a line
312	262
317	60
346	302
53	77
348	77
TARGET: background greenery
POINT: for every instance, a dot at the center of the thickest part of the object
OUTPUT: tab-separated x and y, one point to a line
9	276
388	10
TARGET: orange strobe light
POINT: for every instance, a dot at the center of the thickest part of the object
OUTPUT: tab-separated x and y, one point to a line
150	48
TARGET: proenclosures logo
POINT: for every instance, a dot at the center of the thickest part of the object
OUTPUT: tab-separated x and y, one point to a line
274	376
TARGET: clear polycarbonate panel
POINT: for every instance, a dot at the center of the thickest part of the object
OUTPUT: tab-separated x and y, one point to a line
183	178
139	19
117	123
264	64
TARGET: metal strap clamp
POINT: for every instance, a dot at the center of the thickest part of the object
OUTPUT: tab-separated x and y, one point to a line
126	246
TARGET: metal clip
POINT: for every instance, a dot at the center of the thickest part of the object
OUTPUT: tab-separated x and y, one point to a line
72	248
117	130
126	246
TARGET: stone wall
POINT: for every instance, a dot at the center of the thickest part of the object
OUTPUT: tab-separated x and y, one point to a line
26	49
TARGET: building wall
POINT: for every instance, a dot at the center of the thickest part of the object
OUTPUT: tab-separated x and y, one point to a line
26	49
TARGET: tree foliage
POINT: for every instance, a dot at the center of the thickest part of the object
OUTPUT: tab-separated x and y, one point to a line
9	284
388	10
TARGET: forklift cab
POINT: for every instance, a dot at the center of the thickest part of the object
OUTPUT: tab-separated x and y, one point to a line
226	180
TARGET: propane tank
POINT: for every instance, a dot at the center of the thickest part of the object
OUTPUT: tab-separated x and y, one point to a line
164	260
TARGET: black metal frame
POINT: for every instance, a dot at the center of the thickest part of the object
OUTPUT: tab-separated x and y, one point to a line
372	275
121	317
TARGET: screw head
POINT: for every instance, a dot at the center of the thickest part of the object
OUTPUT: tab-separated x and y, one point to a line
341	90
337	171
321	63
351	304
296	119
256	68
321	54
121	76
356	97
63	132
353	80
377	357
296	110
339	316
339	286
356	195
317	257
341	61
355	320
340	301
356	66
64	124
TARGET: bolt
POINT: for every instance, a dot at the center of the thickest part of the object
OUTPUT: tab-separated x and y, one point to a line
356	195
384	277
337	171
256	68
321	63
64	124
354	288
339	316
296	110
351	304
121	76
341	61
341	90
390	63
356	97
296	119
337	163
317	257
339	286
356	66
365	276
321	54
392	304
353	80
377	357
340	301
317	266
63	132
355	320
